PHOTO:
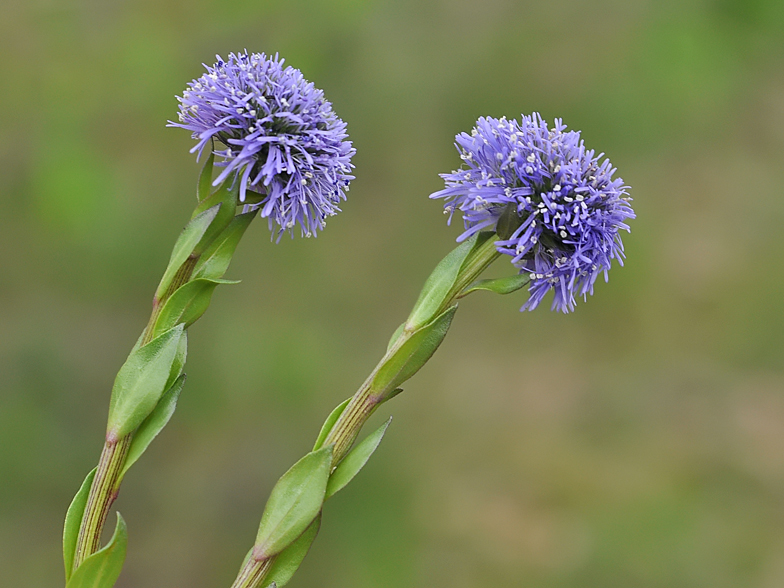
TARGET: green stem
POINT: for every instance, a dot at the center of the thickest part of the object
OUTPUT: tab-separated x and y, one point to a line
106	484
252	573
365	400
102	494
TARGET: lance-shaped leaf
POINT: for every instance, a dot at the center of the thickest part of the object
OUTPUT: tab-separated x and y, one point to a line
179	360
330	422
395	336
294	502
153	424
183	248
355	460
412	354
288	561
103	567
444	277
215	260
505	285
439	284
225	198
205	178
188	303
141	382
73	520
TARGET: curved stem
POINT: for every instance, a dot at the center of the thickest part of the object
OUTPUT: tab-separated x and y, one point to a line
364	402
103	492
106	484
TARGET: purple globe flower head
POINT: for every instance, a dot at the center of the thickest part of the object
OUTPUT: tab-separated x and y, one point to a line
559	207
280	137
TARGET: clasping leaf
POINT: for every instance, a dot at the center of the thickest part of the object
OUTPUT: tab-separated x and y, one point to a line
188	303
183	248
294	503
355	460
73	520
412	354
215	259
505	285
103	567
153	424
141	381
289	560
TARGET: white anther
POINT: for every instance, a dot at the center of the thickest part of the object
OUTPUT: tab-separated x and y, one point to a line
529	169
304	182
563	234
557	188
579	198
531	158
499	156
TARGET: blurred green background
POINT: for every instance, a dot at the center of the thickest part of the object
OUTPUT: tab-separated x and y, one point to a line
638	442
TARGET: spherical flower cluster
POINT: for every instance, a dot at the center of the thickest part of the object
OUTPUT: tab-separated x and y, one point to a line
566	207
281	138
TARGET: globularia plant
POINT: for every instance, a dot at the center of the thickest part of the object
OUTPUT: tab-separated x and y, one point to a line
285	156
526	191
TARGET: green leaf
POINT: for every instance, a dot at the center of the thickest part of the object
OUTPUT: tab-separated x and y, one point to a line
226	198
179	360
183	248
508	222
188	303
505	285
252	197
412	355
103	567
215	260
289	560
395	336
439	284
153	424
330	422
73	520
355	460
141	381
205	178
294	502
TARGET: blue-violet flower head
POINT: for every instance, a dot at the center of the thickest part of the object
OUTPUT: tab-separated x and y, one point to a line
567	208
281	138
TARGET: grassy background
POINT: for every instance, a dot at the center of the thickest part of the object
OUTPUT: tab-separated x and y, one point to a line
636	443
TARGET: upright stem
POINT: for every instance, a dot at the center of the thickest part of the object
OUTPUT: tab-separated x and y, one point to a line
252	573
365	401
106	484
102	494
